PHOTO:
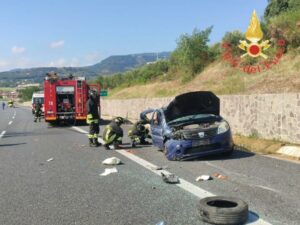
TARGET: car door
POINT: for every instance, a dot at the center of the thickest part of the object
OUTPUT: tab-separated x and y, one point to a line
157	129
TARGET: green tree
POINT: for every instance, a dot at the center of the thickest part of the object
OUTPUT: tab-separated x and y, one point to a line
233	40
192	52
277	7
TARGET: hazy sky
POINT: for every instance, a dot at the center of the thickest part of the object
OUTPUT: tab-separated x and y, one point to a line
77	33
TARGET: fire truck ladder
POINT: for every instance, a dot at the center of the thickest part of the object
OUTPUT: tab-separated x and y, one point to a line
79	102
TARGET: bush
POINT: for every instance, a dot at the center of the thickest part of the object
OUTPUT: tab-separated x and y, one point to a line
26	94
277	7
136	76
287	25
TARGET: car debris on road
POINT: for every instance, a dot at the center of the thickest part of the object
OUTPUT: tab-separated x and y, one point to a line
112	161
170	178
203	178
108	171
159	167
220	176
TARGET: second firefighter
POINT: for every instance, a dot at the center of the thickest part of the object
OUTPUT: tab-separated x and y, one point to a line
93	118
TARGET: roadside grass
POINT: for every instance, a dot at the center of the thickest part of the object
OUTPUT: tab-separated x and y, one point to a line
7	89
222	79
258	145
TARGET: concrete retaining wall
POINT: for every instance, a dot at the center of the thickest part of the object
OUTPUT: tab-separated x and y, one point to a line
271	116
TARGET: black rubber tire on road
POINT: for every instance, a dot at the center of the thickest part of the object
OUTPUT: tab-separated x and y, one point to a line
223	210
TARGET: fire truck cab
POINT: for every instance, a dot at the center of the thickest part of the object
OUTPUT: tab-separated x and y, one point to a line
65	98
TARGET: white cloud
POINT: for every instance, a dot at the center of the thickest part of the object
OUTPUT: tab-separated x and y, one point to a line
58	63
17	50
57	44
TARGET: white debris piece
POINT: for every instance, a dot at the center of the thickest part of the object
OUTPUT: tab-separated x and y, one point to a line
290	150
203	177
108	171
112	161
50	159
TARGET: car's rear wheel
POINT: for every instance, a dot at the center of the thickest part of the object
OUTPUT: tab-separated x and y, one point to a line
223	210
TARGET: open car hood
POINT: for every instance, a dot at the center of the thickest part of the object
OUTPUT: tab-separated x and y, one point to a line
193	103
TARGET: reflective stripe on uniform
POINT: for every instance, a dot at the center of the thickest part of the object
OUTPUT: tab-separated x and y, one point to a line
119	138
108	130
90	135
89	119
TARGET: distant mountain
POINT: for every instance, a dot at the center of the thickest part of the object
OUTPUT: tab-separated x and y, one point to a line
108	66
121	63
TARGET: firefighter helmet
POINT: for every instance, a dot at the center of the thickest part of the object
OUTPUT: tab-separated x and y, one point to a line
141	127
119	120
92	93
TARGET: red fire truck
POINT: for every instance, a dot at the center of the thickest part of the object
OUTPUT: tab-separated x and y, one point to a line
65	98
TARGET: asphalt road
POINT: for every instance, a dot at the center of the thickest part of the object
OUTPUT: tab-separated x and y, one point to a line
69	189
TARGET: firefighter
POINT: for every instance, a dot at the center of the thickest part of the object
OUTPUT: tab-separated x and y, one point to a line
140	130
113	133
37	112
93	118
138	133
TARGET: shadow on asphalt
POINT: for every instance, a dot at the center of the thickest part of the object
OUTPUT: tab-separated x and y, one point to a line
18	134
237	154
8	145
127	146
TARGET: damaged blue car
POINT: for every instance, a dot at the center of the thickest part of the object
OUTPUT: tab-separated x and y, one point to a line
191	127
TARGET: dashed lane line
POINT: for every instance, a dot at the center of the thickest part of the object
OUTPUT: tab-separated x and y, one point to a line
185	185
2	134
10	122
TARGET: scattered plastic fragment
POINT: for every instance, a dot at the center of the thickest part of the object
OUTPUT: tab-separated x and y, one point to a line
203	178
170	178
219	176
161	223
108	171
111	161
50	159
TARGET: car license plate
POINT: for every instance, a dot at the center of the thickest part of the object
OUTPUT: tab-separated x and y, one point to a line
200	142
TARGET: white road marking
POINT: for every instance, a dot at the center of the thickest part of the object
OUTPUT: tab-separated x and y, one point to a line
185	185
267	188
10	122
80	130
2	133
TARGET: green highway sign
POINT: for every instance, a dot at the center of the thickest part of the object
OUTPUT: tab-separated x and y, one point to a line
103	93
